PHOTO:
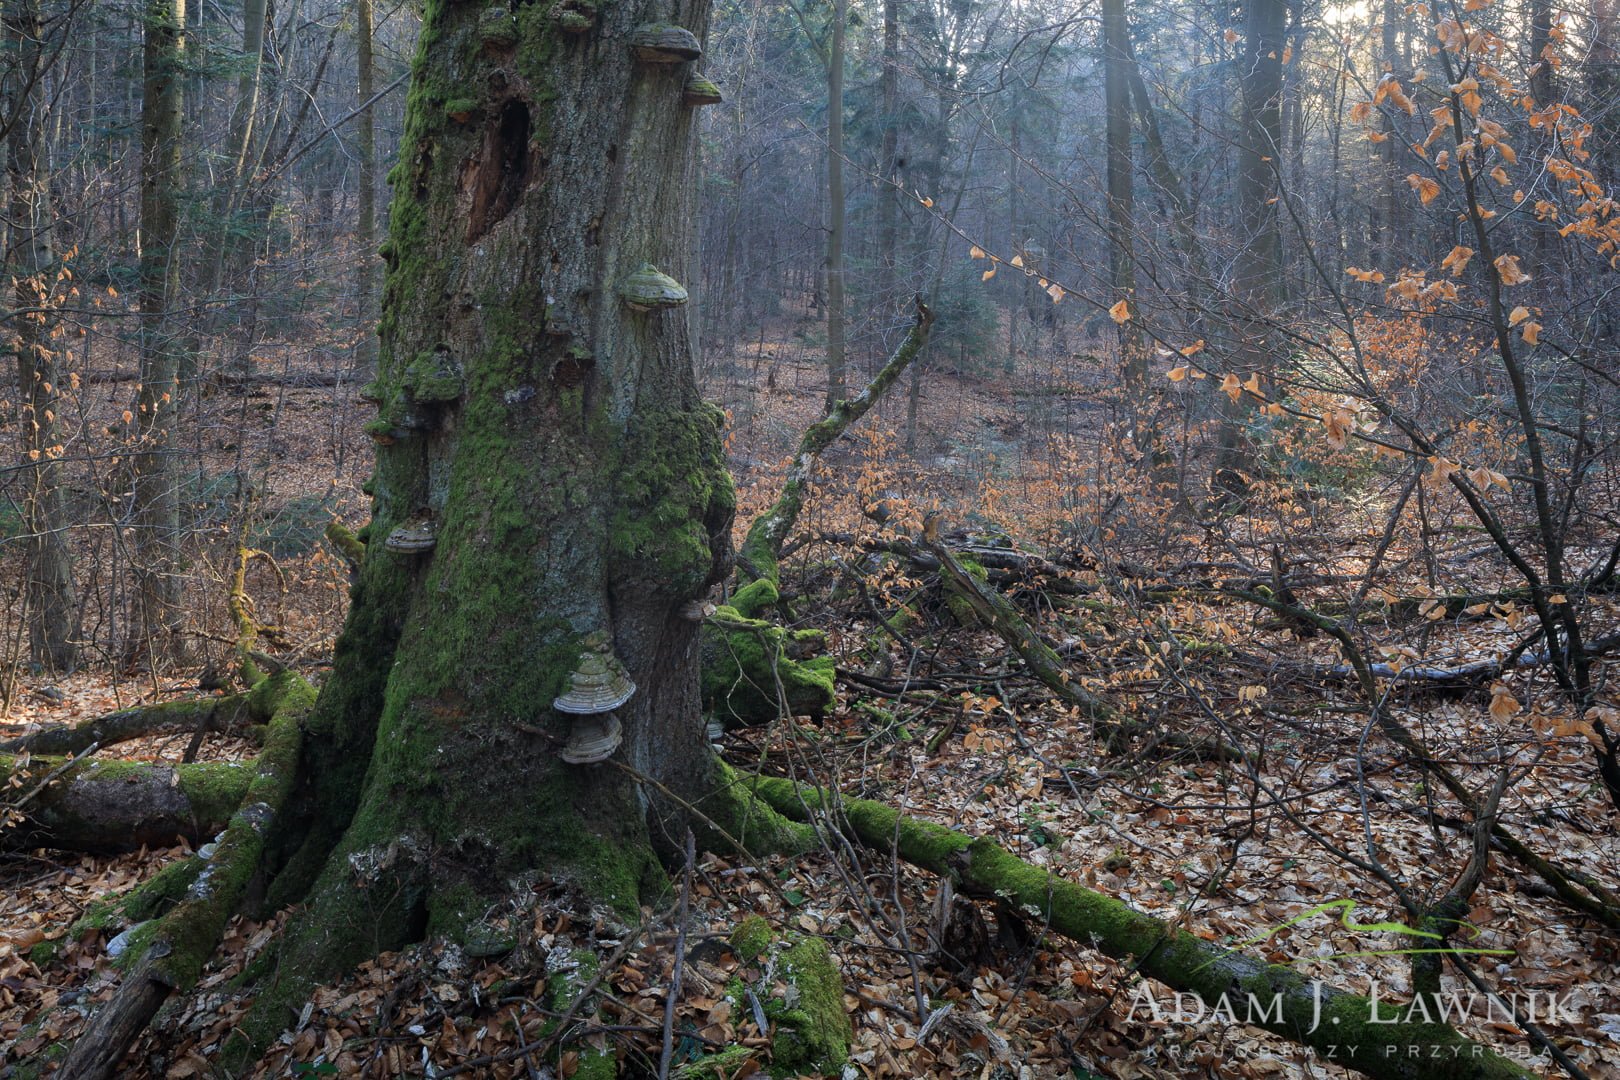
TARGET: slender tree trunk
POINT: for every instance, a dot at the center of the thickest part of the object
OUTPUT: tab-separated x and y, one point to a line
1122	196
366	150
1257	270
888	196
546	486
1015	282
1388	201
835	207
157	617
238	146
49	593
1541	68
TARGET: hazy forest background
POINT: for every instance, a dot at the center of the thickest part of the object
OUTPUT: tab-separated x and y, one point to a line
1244	539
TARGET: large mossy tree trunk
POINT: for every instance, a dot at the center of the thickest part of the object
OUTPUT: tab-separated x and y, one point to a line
552	440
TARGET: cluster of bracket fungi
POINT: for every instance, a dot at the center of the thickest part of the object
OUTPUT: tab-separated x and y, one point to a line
597	687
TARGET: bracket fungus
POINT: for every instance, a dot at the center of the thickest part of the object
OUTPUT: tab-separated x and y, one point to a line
649	288
572	21
418	536
497	28
434	378
664	43
598	685
700	91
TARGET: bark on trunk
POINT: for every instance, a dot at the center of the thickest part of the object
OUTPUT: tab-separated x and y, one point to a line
157	619
50	595
835	208
365	138
546	470
1258	268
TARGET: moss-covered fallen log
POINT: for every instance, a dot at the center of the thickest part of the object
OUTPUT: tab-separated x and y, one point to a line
168	953
1374	1038
752	669
112	806
997	613
210	714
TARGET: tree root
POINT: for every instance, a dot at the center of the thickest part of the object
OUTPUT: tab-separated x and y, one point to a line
169	952
1270	996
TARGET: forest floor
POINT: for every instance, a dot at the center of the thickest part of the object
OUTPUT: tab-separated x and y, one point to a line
964	737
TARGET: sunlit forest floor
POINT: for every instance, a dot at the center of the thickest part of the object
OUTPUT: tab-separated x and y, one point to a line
937	717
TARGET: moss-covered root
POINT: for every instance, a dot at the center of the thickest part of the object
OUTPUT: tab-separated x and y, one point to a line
1389	1044
111	806
169	952
803	1004
733	818
750	676
212	713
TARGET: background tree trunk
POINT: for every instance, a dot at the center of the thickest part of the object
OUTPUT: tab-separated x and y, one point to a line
49	593
835	208
1121	191
157	619
1258	268
552	441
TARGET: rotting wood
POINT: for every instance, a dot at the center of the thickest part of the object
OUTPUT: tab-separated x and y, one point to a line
111	806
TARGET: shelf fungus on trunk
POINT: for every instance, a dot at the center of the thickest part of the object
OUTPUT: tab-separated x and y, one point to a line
598	686
434	378
700	91
572	18
664	43
649	289
415	537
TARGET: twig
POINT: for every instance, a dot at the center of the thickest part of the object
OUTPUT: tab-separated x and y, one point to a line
680	956
56	772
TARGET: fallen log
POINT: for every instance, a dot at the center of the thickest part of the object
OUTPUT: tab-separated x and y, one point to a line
997	613
1371	1037
210	714
1463	675
168	953
111	806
